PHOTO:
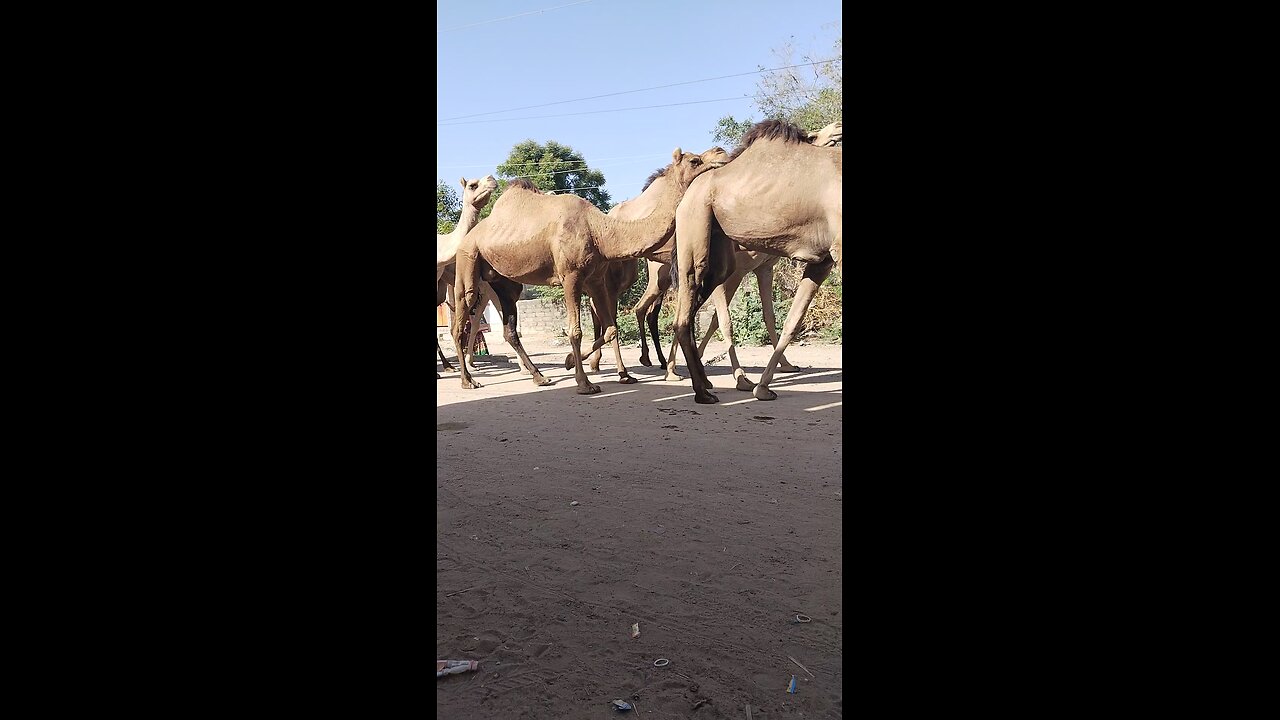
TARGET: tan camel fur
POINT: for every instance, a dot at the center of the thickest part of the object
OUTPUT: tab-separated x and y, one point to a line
475	194
538	239
779	195
829	136
444	294
746	261
610	285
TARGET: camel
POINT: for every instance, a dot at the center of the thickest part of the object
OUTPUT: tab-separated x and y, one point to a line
475	194
538	239
829	136
650	304
607	287
778	194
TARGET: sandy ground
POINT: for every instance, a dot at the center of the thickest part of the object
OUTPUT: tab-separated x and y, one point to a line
711	526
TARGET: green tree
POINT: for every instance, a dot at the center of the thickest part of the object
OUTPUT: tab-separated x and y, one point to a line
729	131
448	207
810	97
552	168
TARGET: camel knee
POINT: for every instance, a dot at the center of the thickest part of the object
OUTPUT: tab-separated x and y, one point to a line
575	336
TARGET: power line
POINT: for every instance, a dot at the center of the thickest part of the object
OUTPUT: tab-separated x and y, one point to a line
531	12
595	112
625	92
565	190
563	172
549	162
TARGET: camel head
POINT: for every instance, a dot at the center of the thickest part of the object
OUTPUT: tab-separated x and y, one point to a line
476	192
687	166
828	136
715	157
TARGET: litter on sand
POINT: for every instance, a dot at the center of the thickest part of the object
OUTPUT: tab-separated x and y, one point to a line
621	705
805	669
791	688
635	630
453	667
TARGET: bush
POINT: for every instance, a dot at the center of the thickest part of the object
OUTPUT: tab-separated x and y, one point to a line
554	294
628	330
821	320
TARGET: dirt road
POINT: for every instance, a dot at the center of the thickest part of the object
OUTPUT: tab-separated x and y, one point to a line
711	526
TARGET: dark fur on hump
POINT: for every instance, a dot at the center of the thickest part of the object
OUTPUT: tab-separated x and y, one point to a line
523	185
656	174
770	130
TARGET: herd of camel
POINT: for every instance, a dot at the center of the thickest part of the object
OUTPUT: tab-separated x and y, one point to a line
702	222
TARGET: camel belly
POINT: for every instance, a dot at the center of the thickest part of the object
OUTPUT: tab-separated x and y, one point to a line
519	264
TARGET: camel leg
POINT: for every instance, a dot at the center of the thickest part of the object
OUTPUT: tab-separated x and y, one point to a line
448	300
813	276
693	228
444	362
508	292
526	368
476	316
466	296
597	332
572	294
651	320
488	297
608	320
720	297
652	294
711	330
764	278
672	375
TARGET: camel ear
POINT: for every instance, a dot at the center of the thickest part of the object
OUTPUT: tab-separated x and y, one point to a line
462	181
675	156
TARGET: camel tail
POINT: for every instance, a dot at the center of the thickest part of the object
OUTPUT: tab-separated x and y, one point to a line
675	272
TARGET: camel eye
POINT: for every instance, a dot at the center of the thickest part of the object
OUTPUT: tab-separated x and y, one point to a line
695	162
473	186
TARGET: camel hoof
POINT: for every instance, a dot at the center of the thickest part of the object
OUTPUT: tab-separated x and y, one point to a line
788	367
525	371
540	381
763	393
744	384
589	389
595	368
705	399
438	376
471	385
672	377
447	367
644	360
568	361
626	380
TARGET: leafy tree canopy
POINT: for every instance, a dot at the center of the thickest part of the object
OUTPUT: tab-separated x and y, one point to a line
810	97
551	168
448	207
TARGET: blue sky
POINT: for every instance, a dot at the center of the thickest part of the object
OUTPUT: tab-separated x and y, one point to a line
606	46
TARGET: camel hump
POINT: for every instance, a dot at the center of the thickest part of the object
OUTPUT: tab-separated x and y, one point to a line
524	184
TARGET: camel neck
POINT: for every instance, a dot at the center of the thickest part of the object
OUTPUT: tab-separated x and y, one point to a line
625	240
470	216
